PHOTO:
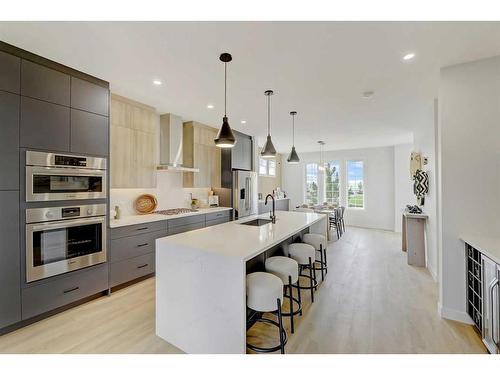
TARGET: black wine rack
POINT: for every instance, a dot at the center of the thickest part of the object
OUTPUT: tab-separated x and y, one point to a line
474	286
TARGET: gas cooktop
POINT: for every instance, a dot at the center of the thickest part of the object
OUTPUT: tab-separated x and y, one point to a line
175	211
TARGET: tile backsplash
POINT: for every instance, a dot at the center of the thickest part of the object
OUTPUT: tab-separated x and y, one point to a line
169	193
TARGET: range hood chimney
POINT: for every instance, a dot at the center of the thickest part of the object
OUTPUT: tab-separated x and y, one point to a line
171	144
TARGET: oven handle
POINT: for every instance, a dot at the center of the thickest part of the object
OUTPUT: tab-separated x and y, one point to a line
65	171
66	223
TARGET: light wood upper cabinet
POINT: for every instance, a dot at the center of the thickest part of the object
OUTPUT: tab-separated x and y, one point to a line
134	144
199	151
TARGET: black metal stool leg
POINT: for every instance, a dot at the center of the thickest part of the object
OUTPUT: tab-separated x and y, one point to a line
298	293
280	323
324	255
314	273
311	279
290	299
322	264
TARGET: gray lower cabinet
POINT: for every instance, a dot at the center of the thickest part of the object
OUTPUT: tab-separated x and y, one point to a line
133	230
280	205
10	67
89	133
40	82
130	269
186	228
221	220
130	247
9	141
51	295
89	96
10	279
218	215
44	125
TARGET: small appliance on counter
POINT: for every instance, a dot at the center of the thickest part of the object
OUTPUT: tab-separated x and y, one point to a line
213	201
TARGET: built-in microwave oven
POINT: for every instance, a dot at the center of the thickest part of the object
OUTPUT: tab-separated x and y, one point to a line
52	177
63	239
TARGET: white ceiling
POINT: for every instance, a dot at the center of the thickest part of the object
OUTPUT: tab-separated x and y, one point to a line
319	69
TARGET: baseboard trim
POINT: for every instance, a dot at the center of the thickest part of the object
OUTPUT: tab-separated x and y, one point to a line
459	316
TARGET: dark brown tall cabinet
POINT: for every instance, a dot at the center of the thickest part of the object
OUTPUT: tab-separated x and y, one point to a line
50	107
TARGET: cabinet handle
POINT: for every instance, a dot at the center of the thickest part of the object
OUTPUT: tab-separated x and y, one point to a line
144	265
71	290
492	287
142	245
143	228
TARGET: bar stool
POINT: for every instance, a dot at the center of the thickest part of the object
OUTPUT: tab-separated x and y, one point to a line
304	254
265	294
287	270
318	241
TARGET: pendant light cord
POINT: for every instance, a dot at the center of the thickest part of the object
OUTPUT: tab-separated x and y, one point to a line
293	130
268	115
225	89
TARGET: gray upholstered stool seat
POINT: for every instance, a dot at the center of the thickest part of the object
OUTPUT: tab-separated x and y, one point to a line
301	252
265	294
319	242
283	267
287	269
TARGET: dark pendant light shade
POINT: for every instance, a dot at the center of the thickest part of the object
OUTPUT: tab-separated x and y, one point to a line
293	158
268	151
225	137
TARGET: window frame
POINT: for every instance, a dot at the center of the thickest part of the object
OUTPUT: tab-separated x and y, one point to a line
267	161
338	164
306	183
363	180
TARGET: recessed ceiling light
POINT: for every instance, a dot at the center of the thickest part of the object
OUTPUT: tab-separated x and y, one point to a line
243	121
210	106
408	56
157	82
368	94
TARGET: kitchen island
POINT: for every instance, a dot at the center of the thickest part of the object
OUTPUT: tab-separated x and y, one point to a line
201	275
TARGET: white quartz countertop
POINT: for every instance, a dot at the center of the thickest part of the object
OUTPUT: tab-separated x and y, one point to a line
242	241
148	218
489	246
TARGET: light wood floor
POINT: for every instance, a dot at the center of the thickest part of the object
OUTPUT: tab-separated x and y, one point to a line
370	302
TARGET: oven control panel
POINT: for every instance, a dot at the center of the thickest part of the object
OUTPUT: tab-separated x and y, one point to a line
36	215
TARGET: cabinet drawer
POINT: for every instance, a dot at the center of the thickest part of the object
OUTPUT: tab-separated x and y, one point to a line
218	215
53	294
130	247
44	125
172	223
43	83
89	133
185	228
132	230
221	220
89	96
130	269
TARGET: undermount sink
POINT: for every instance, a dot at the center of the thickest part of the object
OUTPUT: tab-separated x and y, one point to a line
257	222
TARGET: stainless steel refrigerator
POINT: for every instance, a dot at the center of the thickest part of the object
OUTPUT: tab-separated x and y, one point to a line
245	202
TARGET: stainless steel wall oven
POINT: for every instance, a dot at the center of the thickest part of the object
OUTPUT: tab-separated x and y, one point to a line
63	239
52	177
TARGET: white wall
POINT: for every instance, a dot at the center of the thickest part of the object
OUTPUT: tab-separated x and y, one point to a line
470	169
403	185
378	184
425	142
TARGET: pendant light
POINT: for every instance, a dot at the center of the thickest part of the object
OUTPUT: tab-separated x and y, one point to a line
321	165
268	151
293	158
225	137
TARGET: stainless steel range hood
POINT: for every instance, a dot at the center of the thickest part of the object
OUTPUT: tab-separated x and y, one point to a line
171	144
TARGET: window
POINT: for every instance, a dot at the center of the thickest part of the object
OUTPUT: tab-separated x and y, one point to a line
311	183
267	167
355	184
332	183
